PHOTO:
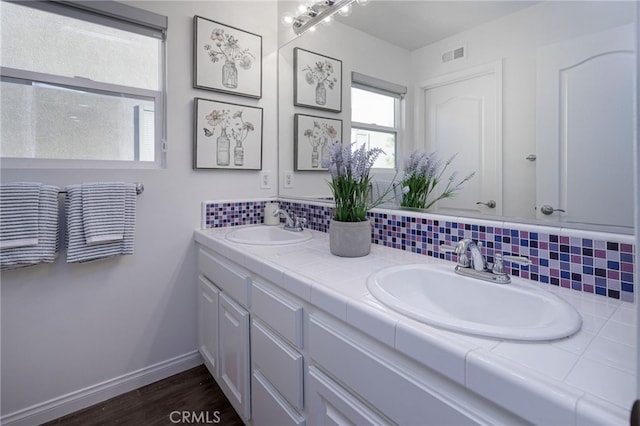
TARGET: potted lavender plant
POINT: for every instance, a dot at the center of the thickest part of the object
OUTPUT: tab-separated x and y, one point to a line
350	230
422	173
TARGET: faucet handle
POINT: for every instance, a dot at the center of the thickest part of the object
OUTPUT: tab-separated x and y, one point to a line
520	260
447	248
499	258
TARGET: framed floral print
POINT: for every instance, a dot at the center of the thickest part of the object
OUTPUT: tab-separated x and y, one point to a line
317	81
226	59
227	136
312	135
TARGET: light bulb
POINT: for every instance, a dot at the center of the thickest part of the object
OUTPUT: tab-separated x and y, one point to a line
327	21
302	8
312	29
345	11
287	19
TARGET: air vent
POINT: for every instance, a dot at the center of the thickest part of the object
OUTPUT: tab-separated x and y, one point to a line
454	54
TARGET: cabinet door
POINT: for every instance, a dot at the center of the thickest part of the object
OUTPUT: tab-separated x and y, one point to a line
234	354
208	324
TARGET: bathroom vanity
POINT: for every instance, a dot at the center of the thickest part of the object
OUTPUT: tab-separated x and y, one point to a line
293	336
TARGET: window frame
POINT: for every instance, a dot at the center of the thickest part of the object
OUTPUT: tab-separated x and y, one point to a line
115	15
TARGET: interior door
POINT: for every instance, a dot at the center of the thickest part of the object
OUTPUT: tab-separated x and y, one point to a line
462	118
584	129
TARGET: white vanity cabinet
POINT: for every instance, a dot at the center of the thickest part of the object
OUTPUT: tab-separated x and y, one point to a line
223	328
283	361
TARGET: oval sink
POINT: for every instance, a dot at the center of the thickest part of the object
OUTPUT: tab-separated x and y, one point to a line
435	295
266	235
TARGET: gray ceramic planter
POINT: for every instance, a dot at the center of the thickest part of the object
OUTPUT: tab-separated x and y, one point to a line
350	239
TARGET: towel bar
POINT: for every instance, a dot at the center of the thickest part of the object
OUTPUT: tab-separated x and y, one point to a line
139	189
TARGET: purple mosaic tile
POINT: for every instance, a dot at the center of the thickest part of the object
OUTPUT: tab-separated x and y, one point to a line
223	214
594	266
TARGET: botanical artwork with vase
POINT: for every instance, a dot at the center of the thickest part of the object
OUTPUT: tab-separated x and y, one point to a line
227	59
317	81
227	136
312	137
350	229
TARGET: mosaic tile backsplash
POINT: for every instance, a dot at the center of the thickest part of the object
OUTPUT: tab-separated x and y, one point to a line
584	261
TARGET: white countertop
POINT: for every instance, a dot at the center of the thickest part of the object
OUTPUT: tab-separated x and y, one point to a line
586	378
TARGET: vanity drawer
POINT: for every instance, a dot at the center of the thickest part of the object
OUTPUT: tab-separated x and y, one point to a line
331	404
268	406
337	351
280	363
230	278
280	312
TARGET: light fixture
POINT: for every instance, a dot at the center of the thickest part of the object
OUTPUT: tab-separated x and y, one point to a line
310	15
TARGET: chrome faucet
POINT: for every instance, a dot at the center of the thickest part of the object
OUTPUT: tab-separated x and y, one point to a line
477	260
294	223
477	267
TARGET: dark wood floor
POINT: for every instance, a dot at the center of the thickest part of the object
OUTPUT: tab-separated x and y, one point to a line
190	397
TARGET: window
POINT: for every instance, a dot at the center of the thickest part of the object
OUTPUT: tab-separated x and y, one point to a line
375	116
81	82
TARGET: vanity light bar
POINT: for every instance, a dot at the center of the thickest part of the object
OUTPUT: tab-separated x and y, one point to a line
316	13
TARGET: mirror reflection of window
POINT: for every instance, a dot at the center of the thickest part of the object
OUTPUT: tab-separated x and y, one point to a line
375	117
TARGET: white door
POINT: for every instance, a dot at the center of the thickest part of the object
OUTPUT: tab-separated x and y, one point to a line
208	324
463	117
584	129
234	354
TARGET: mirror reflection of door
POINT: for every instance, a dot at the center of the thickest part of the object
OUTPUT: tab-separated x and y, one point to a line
462	116
584	129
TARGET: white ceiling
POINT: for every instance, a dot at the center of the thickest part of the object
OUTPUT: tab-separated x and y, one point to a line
417	23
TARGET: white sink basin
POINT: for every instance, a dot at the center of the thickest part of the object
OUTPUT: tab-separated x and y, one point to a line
435	295
267	235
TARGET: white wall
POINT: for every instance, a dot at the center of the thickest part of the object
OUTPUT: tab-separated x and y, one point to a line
515	39
65	328
358	52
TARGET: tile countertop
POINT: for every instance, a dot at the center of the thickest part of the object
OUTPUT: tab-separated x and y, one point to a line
588	378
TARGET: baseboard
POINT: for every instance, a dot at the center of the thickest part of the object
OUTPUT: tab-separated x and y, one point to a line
65	404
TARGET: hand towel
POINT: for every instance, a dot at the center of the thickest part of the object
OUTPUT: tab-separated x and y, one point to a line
77	248
103	205
19	214
46	249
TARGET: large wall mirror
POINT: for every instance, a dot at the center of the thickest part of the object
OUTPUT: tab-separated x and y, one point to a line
535	97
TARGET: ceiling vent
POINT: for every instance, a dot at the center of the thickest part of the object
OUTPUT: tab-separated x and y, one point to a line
454	54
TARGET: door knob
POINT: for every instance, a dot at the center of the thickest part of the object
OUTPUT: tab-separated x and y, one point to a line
491	204
546	209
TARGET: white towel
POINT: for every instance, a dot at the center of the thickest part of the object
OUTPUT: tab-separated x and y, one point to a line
77	248
19	214
103	211
46	249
